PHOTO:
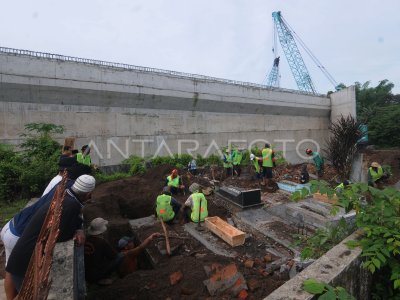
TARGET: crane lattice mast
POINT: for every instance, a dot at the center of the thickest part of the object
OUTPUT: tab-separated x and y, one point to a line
293	56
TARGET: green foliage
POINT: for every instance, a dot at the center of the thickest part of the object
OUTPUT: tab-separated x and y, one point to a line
324	239
115	176
137	165
326	291
11	169
370	97
38	140
8	210
25	173
380	109
379	220
384	127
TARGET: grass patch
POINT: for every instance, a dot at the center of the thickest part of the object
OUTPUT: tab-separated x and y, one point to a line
9	210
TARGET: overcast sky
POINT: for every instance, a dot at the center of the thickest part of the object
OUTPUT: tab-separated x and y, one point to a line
355	40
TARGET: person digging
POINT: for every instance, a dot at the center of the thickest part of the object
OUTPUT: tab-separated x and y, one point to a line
255	161
195	208
102	260
318	161
376	175
268	163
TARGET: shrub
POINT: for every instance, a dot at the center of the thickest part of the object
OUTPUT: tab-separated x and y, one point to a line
378	220
341	145
384	128
11	169
105	178
25	173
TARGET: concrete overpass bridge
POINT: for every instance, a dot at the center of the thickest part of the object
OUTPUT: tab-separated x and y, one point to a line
123	109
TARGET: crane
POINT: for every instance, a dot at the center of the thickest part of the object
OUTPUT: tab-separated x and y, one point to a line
296	63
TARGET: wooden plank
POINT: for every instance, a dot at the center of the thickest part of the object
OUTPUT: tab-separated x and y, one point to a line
225	231
324	198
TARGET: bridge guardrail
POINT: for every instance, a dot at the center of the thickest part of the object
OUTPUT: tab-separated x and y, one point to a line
143	69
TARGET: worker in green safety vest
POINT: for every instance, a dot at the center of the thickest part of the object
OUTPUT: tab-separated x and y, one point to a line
167	207
83	157
255	161
376	174
340	188
236	161
227	162
318	161
195	206
174	182
268	162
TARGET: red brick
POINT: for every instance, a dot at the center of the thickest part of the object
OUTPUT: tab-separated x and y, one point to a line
175	277
249	263
243	294
268	258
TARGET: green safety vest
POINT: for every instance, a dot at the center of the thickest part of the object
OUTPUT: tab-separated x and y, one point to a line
318	160
196	197
267	157
256	165
173	182
237	157
164	208
375	175
83	160
227	161
340	187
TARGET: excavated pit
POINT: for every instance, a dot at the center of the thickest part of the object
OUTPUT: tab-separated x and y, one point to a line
263	260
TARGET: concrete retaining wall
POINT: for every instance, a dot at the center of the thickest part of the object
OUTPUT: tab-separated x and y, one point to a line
343	103
338	267
67	272
123	112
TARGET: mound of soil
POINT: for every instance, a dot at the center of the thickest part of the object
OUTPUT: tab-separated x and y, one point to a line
129	198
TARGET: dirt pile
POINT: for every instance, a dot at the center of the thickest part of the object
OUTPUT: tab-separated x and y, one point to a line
129	198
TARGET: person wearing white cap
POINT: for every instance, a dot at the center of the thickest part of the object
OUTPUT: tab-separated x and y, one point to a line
70	227
195	207
101	259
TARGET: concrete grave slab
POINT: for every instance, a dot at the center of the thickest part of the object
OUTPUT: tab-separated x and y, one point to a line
210	241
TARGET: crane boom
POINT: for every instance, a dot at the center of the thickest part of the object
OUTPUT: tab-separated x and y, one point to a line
273	78
293	56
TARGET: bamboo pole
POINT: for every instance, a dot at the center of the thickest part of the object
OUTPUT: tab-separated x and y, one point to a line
166	237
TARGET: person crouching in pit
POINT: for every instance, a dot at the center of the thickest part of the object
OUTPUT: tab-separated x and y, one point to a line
167	207
195	207
174	182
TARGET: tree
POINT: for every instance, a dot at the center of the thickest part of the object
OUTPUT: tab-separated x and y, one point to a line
372	97
379	108
384	127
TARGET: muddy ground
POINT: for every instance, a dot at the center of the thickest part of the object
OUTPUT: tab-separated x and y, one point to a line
134	197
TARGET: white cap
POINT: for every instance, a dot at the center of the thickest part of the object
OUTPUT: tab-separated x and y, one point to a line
252	156
194	187
84	184
97	226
